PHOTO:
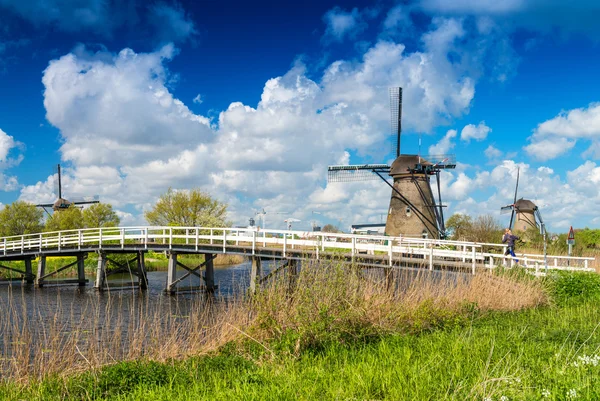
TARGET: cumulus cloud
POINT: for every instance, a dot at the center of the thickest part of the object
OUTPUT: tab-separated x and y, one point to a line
198	99
444	145
127	138
558	135
493	153
578	16
7	146
170	22
477	132
341	24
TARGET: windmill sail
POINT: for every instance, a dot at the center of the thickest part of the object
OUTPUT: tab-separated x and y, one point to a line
512	216
396	118
362	172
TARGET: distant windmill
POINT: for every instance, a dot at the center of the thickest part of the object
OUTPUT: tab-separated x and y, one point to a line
413	209
524	214
62	203
263	215
290	221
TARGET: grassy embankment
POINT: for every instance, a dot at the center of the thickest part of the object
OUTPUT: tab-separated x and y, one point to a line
336	336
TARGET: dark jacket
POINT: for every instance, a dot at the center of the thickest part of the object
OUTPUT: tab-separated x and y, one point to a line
509	239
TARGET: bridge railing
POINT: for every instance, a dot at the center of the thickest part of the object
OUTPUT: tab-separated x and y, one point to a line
284	241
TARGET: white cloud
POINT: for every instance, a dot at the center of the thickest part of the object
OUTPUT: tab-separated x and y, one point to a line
492	152
444	145
8	145
127	138
477	132
198	99
170	22
341	24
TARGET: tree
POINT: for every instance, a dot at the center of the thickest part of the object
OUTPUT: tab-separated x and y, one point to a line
65	219
487	229
330	228
20	218
100	215
193	208
459	226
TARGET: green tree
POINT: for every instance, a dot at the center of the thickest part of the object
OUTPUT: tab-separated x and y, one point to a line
100	215
193	208
459	226
20	218
330	228
486	229
65	219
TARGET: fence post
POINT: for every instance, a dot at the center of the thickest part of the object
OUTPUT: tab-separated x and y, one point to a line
146	237
353	246
79	239
473	259
59	240
22	244
224	240
100	238
197	237
170	237
390	253
585	263
253	242
187	233
122	238
431	258
40	242
284	244
211	236
537	269
5	246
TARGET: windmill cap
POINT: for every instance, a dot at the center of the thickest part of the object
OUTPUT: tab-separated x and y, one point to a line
404	163
524	205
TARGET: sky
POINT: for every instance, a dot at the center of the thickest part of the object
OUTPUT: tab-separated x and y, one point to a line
251	101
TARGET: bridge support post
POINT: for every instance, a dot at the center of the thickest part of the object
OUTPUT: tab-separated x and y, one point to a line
209	274
41	271
100	271
255	273
389	278
171	273
81	269
292	274
143	276
28	272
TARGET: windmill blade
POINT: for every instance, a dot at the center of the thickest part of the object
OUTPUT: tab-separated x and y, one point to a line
512	216
506	209
56	176
396	117
441	161
85	200
363	172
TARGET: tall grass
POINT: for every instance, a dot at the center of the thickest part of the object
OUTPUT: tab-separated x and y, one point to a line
327	302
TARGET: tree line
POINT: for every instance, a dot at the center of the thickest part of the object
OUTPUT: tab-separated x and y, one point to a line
192	208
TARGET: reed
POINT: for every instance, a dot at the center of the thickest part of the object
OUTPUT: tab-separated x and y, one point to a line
325	302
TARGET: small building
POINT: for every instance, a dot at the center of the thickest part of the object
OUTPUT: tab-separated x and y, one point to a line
368	229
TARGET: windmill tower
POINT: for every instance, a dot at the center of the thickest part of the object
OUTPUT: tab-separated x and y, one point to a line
413	209
62	203
524	214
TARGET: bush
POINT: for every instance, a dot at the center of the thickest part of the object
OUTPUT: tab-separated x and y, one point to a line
570	286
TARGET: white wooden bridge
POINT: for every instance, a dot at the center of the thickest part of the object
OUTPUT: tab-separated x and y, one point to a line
288	246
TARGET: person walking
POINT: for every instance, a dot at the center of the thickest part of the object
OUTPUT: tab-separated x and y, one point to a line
509	239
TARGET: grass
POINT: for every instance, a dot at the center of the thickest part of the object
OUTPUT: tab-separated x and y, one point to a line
342	335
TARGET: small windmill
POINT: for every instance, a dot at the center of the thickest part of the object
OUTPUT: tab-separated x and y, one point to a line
62	203
524	214
413	209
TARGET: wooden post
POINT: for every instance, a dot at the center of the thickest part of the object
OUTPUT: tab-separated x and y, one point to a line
142	275
41	271
28	271
292	273
389	277
255	273
209	275
81	269
473	259
171	272
100	271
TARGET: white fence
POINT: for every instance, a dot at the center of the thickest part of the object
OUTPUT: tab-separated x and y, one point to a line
229	240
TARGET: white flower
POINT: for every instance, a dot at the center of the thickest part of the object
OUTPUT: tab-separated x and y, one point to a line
504	398
545	393
572	394
487	399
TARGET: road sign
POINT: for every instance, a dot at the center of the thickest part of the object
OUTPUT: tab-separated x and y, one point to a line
571	237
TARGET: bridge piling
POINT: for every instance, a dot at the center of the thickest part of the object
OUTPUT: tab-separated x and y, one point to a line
41	271
29	277
171	272
81	269
100	272
209	274
255	273
142	274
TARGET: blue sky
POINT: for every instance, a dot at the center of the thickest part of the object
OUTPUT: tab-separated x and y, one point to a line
251	102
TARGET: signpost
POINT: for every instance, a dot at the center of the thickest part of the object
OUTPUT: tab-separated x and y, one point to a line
570	243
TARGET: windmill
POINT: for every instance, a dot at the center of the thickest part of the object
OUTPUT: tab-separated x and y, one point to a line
62	203
413	208
524	214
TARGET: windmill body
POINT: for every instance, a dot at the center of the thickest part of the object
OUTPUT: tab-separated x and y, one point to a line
413	209
62	203
415	187
525	215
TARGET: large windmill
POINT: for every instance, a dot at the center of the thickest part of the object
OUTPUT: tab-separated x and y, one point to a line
62	203
413	208
524	214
